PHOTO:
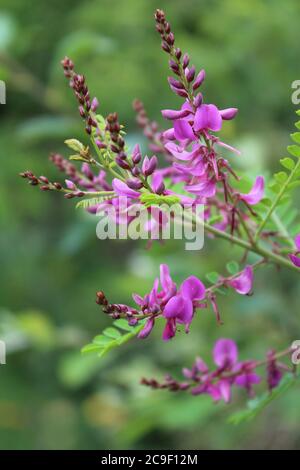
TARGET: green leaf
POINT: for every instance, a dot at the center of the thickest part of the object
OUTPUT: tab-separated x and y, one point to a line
296	137
112	338
266	202
287	162
257	405
122	324
213	277
112	333
232	267
101	340
149	199
75	145
294	150
91	347
93	201
297	124
281	177
275	187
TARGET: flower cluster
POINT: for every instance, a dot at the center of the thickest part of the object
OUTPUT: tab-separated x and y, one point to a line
177	306
228	373
195	172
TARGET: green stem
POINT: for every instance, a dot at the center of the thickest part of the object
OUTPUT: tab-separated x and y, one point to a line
265	253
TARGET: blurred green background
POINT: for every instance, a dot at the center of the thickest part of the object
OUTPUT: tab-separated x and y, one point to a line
52	263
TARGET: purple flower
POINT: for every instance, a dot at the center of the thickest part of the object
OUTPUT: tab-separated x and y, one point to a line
122	189
208	117
206	188
244	282
256	193
181	307
172	114
246	377
183	130
293	257
225	353
149	165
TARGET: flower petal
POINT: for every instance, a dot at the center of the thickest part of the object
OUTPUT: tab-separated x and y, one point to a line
295	260
172	114
225	353
174	307
244	282
207	117
206	188
192	288
183	130
122	189
228	113
256	193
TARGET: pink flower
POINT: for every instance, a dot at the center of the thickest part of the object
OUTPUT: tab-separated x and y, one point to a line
244	282
225	353
256	193
122	189
181	307
293	257
208	117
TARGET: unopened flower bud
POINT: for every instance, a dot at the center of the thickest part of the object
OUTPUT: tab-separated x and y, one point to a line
185	61
190	74
199	79
134	183
94	104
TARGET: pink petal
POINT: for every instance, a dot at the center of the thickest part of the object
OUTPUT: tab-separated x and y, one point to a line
244	282
165	277
192	288
186	314
169	330
174	306
138	299
256	193
224	387
295	260
122	189
147	328
228	113
183	130
207	117
179	152
171	114
225	352
204	189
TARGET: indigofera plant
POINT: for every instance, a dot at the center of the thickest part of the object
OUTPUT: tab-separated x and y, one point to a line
195	172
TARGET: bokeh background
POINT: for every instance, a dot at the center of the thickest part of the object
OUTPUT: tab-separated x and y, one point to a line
52	397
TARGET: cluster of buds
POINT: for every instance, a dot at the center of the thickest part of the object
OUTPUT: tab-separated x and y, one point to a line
46	185
117	311
218	383
187	81
87	107
65	166
150	128
117	142
41	181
